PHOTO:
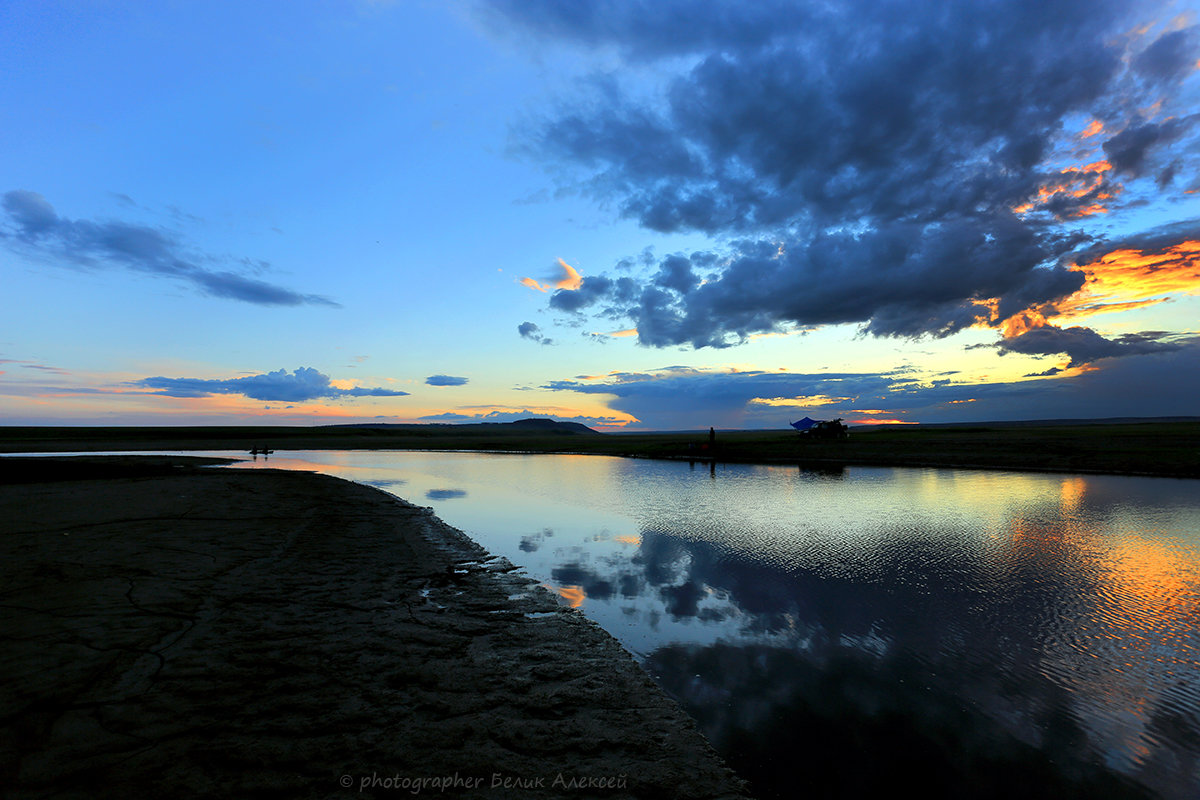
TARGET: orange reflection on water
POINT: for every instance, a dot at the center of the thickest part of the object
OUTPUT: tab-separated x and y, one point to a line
1150	587
574	595
1146	591
1072	492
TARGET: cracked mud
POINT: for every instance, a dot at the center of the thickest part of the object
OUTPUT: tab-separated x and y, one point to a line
195	632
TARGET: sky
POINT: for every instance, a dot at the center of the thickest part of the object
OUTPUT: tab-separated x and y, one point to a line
634	214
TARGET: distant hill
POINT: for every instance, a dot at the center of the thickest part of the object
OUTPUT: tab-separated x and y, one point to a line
522	426
550	425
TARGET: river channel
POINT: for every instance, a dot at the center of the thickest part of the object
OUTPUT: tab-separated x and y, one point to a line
850	632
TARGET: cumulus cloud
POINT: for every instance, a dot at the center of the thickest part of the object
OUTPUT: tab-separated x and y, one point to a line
300	385
901	166
37	228
445	380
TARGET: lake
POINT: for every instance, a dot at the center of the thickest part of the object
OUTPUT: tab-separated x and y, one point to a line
846	633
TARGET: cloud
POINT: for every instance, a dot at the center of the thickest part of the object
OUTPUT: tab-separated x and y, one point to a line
445	380
40	230
530	330
1129	150
1170	57
1162	382
637	28
683	397
907	168
35	366
301	385
1158	262
563	277
1084	345
1143	270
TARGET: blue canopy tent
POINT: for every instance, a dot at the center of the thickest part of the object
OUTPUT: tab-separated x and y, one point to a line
804	424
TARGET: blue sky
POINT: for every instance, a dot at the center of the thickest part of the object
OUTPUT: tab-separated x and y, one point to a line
647	215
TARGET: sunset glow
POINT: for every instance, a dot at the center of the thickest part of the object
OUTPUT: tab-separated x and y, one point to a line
329	213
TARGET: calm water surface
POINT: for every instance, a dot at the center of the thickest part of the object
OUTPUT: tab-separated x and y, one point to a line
844	633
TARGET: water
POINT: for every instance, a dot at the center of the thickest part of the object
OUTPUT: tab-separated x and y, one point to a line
847	633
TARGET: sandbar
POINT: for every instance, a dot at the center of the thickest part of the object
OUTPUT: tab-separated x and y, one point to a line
177	630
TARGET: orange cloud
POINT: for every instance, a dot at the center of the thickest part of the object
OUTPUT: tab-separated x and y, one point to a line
1134	274
1094	127
569	279
1119	280
802	400
1079	182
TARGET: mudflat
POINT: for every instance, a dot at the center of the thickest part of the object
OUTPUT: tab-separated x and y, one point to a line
179	631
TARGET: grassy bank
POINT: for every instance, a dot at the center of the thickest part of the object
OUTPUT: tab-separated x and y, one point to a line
1140	448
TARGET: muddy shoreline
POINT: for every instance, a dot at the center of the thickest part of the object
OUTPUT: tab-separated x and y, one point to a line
193	632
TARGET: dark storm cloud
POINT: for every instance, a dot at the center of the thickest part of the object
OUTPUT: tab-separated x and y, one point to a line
868	156
905	279
445	380
1084	345
38	228
1155	240
883	110
300	385
1128	151
1163	381
1171	56
638	27
683	397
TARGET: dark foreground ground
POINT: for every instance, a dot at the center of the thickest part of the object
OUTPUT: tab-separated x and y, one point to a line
176	632
1169	449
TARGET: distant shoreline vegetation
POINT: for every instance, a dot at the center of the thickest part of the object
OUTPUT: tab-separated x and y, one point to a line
1165	447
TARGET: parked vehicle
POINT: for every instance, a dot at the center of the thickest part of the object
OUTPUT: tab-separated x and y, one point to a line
822	429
